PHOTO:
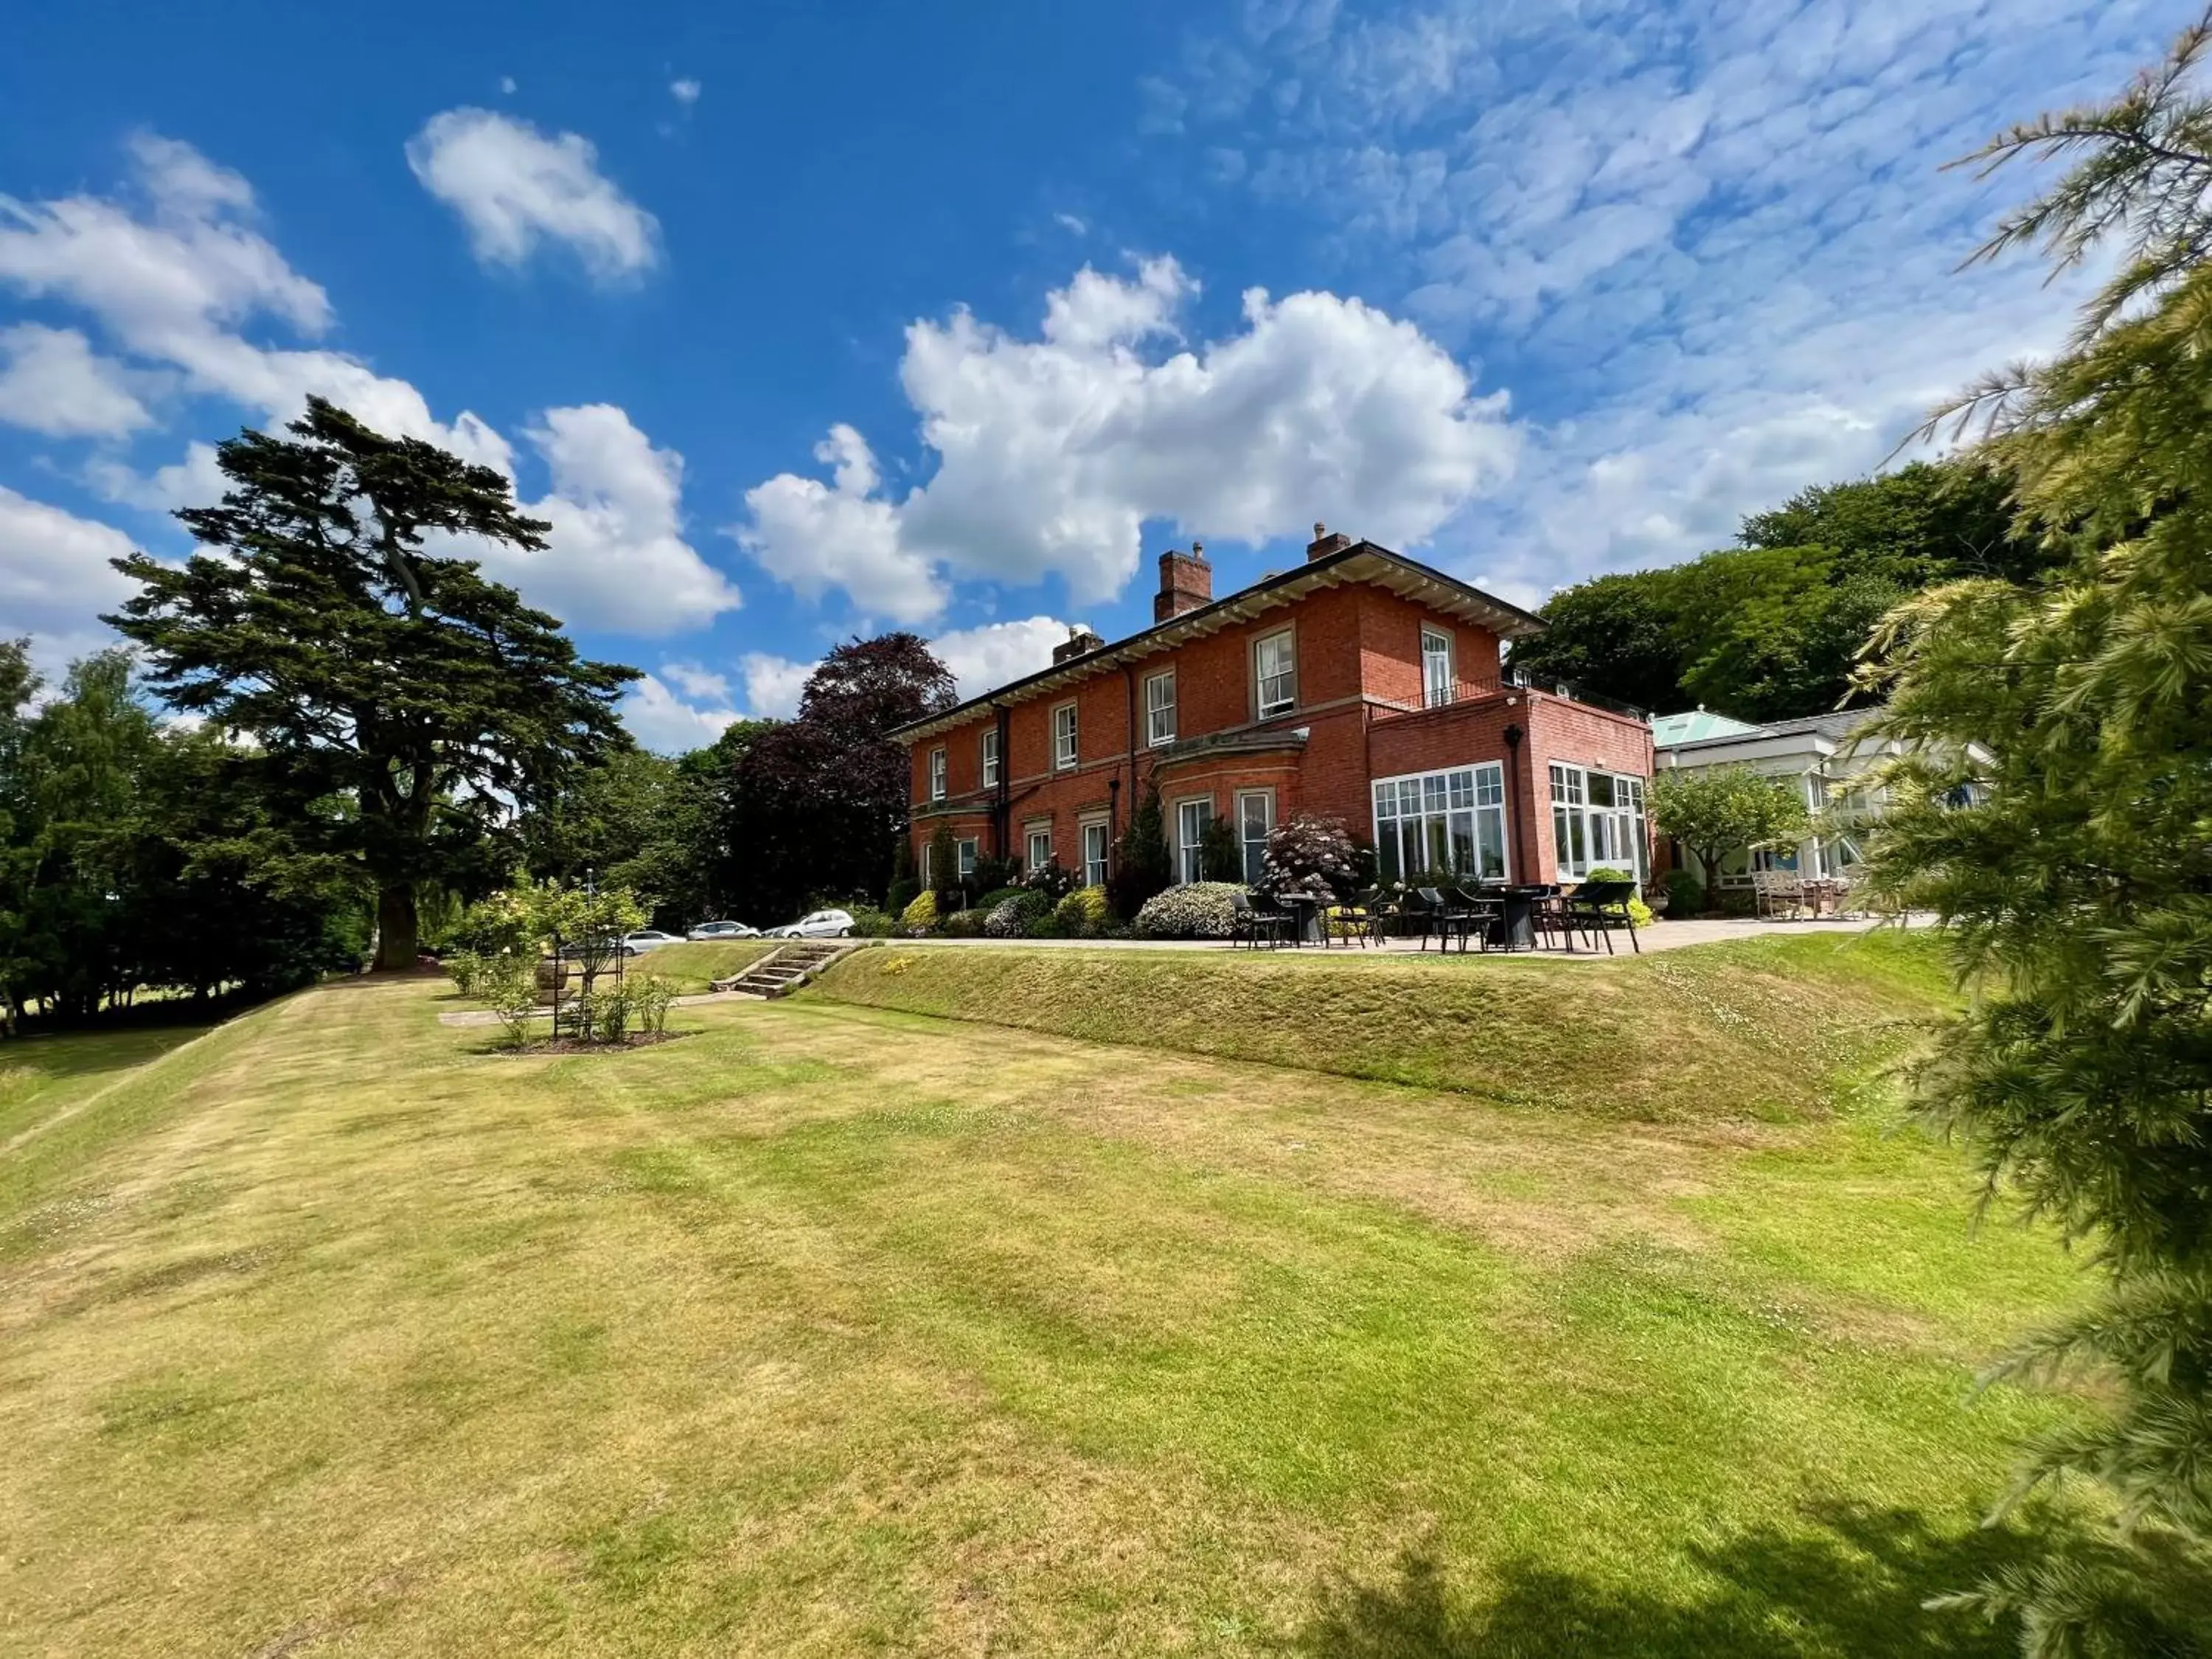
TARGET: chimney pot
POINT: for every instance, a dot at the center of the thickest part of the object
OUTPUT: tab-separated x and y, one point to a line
1324	543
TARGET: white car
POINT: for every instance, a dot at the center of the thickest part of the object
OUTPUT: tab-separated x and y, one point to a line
713	930
647	939
821	924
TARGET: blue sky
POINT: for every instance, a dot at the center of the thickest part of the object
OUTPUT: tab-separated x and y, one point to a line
799	320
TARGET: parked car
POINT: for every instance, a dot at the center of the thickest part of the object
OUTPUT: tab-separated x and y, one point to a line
712	930
647	939
821	924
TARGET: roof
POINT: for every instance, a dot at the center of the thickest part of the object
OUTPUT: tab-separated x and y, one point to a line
1362	562
1697	726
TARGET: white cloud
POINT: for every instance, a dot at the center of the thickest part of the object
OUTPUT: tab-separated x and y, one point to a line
695	680
514	188
52	382
995	652
617	559
1707	244
507	85
774	684
54	569
1051	453
1071	224
662	721
685	92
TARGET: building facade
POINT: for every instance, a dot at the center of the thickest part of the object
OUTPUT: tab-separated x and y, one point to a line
1362	685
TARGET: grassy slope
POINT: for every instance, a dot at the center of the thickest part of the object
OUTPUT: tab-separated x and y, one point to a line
1751	1030
693	966
828	1330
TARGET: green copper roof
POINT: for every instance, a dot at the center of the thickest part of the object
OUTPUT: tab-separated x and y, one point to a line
1668	730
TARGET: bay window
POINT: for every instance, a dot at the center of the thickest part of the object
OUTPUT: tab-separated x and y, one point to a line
1597	822
1451	821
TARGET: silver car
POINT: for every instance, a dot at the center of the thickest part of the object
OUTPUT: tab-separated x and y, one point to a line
713	930
821	924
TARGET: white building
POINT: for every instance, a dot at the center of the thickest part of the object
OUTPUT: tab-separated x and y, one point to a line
1827	756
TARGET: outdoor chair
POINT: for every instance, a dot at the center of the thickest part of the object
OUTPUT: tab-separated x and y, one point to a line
1445	921
1599	907
1356	916
1774	891
1249	924
1485	917
1548	918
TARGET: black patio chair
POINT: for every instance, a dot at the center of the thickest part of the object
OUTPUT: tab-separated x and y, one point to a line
1599	907
1250	923
1485	914
1357	916
1445	921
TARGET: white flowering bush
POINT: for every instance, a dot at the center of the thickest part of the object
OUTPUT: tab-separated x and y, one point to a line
1310	854
1200	910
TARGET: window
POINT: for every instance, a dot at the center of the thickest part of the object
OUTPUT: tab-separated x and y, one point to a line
1439	686
1040	848
1255	817
1063	736
1191	818
1597	822
928	886
1094	854
1160	708
937	774
1453	821
991	759
1275	673
967	859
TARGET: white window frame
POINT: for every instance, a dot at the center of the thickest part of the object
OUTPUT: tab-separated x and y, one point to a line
991	757
1256	851
1441	810
1439	681
1160	713
1065	744
1190	850
1588	835
1095	867
964	857
1030	841
937	770
1286	679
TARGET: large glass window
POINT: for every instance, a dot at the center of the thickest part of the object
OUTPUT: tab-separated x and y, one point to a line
1063	736
1040	848
1160	708
1094	855
1437	684
937	774
991	759
1451	822
1275	672
1597	822
1255	817
1191	818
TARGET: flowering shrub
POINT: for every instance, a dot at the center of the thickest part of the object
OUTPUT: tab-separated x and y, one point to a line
1310	854
1200	910
921	914
1050	881
963	924
1010	918
1083	913
465	968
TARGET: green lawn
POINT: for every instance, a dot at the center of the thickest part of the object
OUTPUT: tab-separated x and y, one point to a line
833	1329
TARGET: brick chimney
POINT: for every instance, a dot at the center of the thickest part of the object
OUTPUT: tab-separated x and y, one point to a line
1080	642
1186	583
1324	543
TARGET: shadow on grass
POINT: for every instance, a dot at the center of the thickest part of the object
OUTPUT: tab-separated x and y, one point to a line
1853	1583
87	1051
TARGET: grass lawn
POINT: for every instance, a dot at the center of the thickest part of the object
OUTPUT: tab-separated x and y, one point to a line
835	1329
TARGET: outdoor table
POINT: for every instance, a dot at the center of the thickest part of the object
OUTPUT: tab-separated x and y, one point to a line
1308	910
1515	927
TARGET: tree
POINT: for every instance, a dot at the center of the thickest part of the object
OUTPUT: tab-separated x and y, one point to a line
1616	635
1719	810
1142	864
2077	891
811	804
361	666
1220	853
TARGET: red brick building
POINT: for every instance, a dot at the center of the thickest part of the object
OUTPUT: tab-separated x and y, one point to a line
1362	685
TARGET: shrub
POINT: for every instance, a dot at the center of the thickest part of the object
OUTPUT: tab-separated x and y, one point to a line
1686	894
991	873
1220	854
467	968
921	914
1084	913
1200	910
1311	855
1046	927
509	981
1142	866
1050	880
868	923
649	996
963	924
1006	920
902	893
944	860
997	896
